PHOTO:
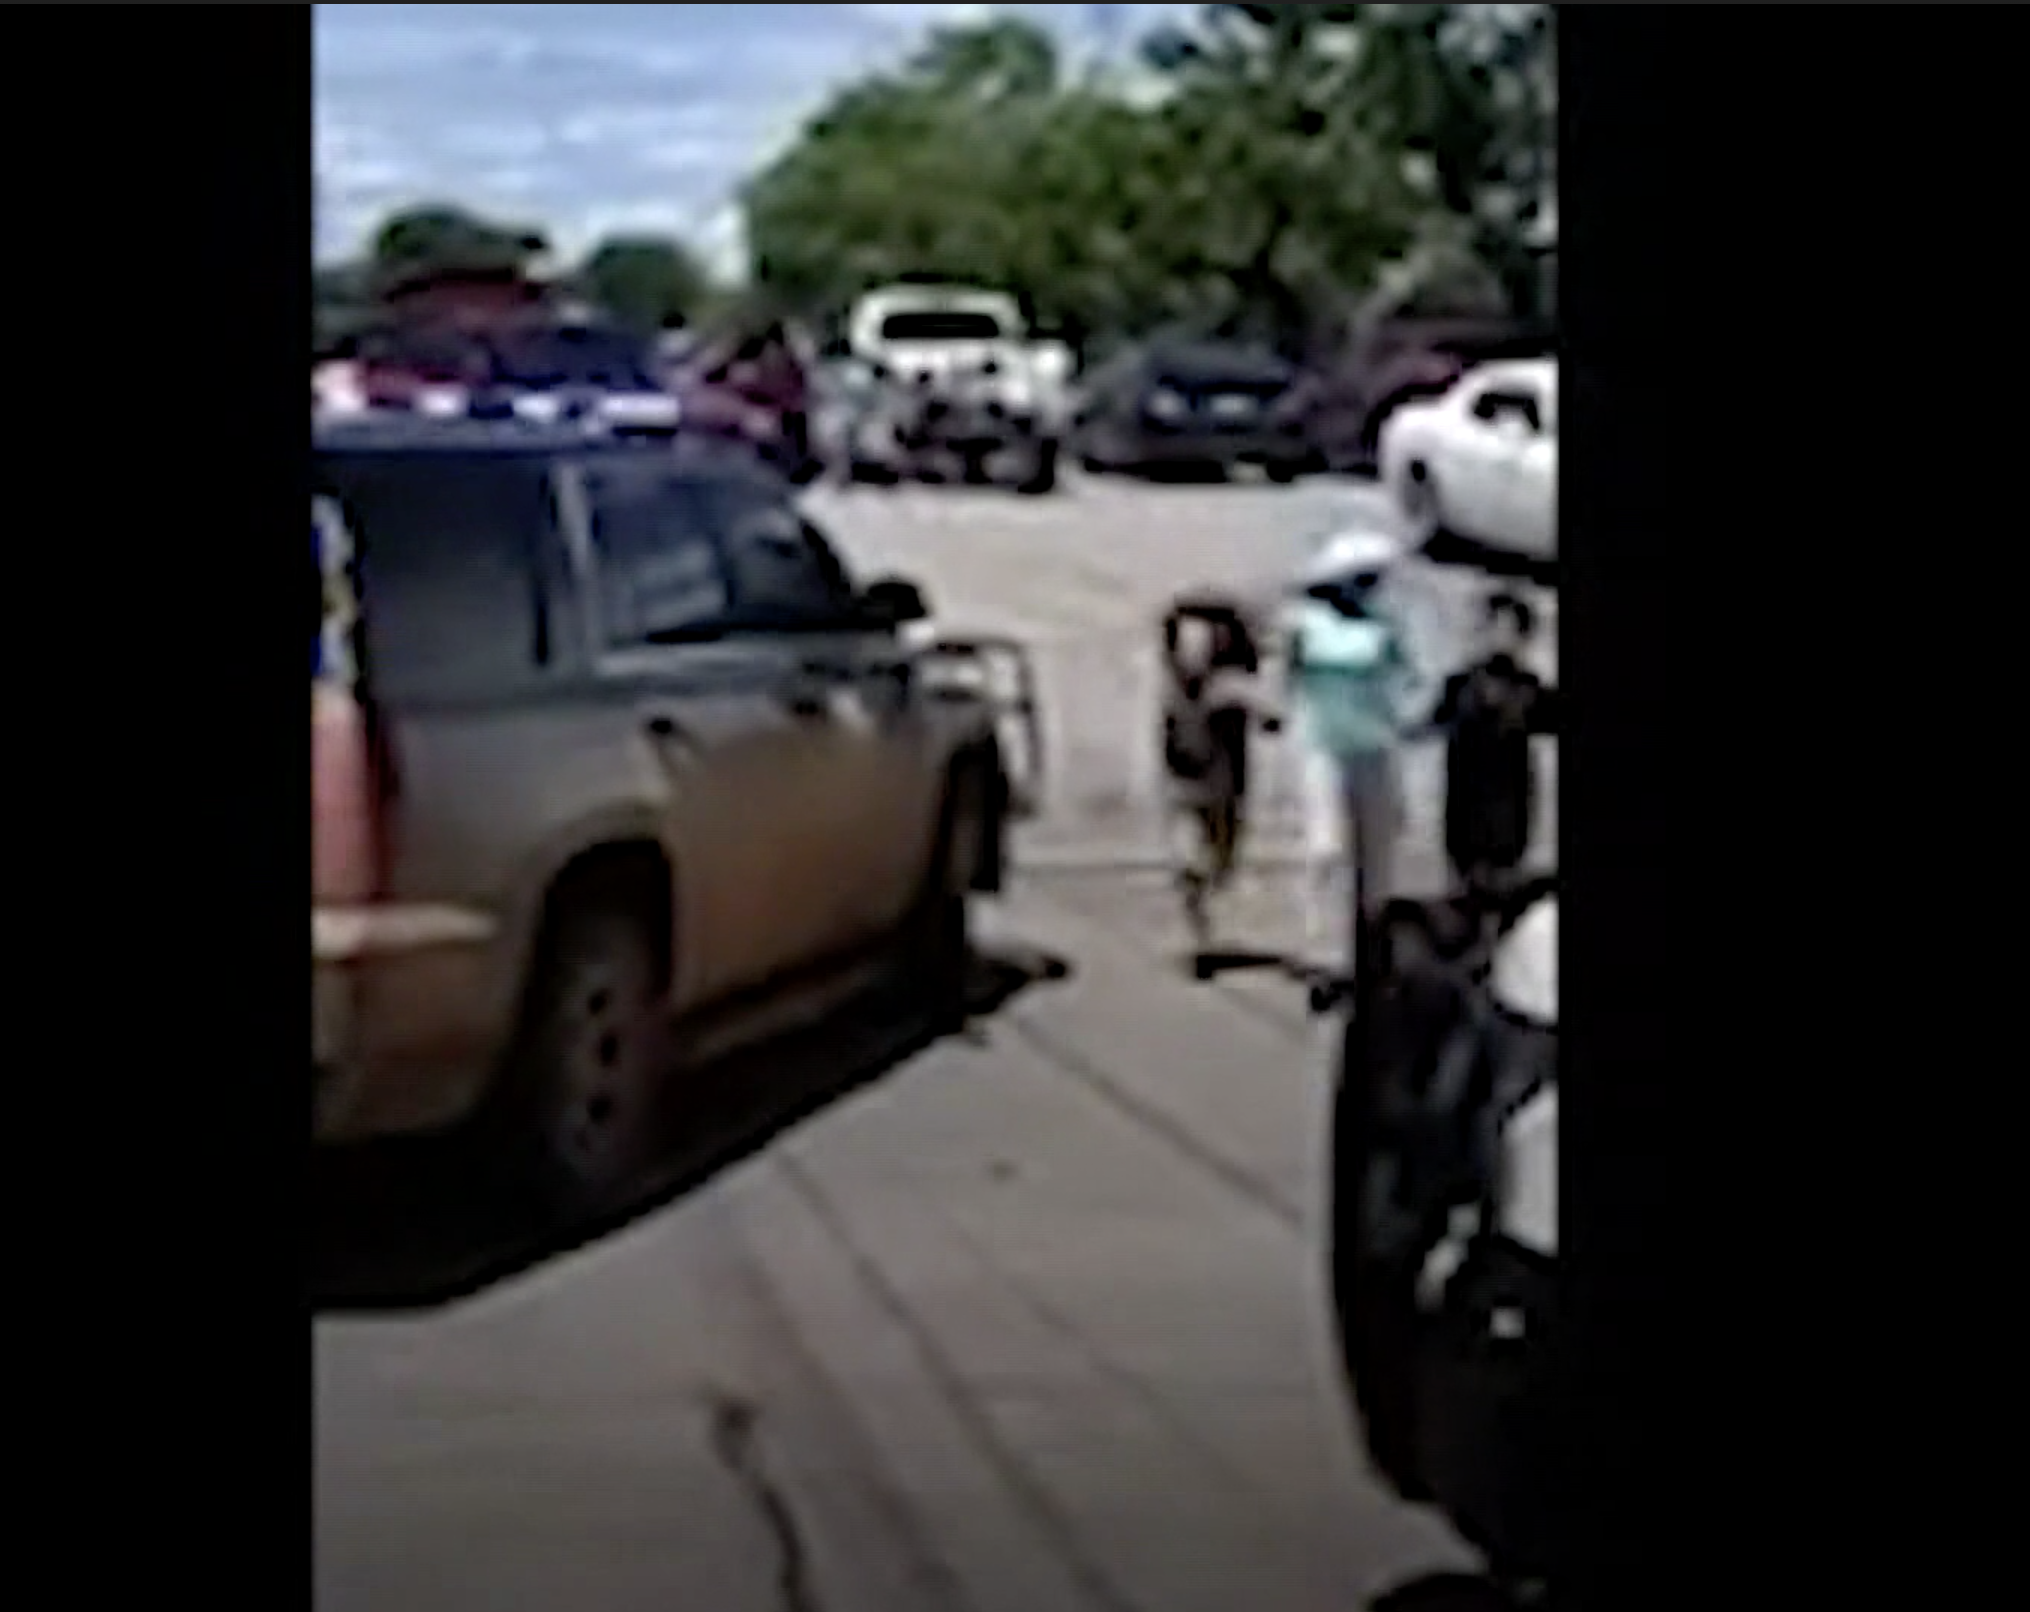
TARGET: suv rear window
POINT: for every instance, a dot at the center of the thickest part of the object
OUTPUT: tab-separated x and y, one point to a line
449	567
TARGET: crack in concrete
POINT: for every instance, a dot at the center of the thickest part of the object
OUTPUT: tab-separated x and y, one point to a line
1029	1492
735	1423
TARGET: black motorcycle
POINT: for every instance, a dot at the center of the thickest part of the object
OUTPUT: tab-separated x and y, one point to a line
1442	1282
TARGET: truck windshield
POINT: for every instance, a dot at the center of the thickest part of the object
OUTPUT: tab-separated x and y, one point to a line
941	325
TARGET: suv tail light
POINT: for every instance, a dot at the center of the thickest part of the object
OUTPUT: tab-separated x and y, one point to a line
347	823
348	780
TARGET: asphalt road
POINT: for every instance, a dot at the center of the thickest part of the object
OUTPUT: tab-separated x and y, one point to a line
1028	1320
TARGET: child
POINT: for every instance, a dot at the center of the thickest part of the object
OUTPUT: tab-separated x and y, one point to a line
1488	714
1210	700
1351	681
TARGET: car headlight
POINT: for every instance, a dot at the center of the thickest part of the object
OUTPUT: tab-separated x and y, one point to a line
641	409
1166	404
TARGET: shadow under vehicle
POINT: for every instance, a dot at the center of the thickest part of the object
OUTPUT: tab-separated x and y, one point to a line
419	1223
615	769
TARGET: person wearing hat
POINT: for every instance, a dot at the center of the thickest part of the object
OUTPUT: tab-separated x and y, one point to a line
1352	685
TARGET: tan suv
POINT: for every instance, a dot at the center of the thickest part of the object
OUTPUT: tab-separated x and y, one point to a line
614	768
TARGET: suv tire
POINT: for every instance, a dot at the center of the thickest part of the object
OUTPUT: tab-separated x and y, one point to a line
582	1104
937	950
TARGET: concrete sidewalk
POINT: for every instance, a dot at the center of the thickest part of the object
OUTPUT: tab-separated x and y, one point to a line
1069	1285
1034	1323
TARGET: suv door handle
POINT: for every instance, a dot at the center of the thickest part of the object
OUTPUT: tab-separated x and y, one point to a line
666	729
806	698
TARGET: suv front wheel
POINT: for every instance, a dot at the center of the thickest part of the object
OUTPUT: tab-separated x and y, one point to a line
938	941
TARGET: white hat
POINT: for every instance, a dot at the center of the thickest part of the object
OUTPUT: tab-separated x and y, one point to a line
1348	554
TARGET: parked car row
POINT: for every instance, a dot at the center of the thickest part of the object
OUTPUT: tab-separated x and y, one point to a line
1473	456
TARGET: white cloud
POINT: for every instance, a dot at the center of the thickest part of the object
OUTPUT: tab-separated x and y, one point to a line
631	125
721	241
593	117
642	216
949	16
502	141
688	154
517	184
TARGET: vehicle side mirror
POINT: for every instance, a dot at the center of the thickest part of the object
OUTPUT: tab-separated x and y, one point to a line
893	602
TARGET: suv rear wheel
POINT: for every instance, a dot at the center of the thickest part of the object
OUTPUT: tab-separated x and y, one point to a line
581	1109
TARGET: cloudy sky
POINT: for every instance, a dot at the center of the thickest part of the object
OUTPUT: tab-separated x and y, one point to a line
594	118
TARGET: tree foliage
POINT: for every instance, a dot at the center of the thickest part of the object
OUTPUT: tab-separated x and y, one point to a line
1267	165
645	282
439	237
1258	170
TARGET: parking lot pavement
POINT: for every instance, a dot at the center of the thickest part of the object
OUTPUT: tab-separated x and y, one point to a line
1034	1324
1083	576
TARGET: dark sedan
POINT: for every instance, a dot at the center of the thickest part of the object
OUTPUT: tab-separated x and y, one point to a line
1200	405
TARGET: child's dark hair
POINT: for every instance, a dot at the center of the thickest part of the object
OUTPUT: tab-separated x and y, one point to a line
1234	649
1516	608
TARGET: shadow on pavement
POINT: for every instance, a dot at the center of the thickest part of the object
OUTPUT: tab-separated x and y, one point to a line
1184	473
1208	965
1449	1592
411	1225
1448	548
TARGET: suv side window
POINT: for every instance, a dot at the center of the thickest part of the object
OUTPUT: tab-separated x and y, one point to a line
660	573
786	577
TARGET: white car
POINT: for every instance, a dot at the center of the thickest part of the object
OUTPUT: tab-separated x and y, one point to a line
1481	461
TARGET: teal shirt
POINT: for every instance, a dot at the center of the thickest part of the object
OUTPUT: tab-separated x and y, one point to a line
1351	680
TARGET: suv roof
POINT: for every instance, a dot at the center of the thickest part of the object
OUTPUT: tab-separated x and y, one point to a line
404	435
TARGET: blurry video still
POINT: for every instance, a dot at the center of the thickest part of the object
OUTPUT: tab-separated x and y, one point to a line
934	741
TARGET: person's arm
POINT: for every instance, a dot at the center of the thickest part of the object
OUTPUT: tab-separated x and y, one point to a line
1444	716
1410	683
1450	698
1262	706
1242	693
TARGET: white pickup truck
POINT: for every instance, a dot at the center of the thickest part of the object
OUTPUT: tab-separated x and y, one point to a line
963	393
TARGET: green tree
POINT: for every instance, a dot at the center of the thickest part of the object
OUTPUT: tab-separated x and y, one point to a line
918	172
1287	156
439	236
647	282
